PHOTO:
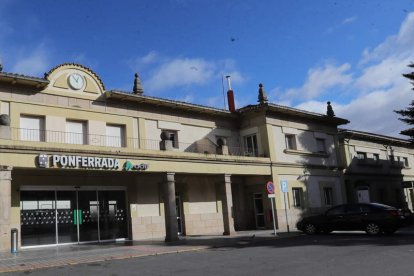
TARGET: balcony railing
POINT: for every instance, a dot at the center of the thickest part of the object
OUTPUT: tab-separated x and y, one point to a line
59	137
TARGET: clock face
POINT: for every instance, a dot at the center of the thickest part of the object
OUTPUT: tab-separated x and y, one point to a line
75	81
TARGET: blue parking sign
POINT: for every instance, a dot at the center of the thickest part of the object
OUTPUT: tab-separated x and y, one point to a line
284	186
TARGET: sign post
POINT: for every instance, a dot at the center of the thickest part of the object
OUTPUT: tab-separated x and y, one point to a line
285	188
270	188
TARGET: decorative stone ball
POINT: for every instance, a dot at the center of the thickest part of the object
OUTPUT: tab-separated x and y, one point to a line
4	120
221	142
164	136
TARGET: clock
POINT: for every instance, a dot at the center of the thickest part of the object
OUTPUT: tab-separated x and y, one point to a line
75	81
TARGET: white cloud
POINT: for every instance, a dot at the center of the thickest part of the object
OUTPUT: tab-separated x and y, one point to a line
346	21
320	80
384	73
349	20
182	72
143	62
380	87
34	63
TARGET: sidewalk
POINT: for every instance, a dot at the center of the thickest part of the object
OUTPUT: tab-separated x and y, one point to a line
76	254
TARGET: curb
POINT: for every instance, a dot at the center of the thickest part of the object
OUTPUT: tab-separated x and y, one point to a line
118	256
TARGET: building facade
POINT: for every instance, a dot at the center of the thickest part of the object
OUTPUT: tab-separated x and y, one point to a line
377	168
79	163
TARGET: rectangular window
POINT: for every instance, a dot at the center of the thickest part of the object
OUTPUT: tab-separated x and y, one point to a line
115	136
328	195
290	141
320	145
5	108
405	159
297	194
32	128
172	135
75	132
375	156
361	156
250	145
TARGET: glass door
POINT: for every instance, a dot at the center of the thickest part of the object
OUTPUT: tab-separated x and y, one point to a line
66	216
72	216
37	217
112	215
86	216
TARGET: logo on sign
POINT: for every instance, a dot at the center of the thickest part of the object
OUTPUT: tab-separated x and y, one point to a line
43	160
128	166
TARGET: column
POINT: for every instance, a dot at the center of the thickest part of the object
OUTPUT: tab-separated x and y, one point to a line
5	207
168	190
227	204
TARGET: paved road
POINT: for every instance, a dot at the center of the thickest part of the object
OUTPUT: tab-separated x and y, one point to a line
335	254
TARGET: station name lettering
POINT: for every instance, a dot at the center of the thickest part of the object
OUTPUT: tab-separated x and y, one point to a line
74	161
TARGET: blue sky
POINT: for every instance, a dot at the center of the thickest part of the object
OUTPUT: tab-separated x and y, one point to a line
351	52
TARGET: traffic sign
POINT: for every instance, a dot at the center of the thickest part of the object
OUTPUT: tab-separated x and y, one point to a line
270	188
284	186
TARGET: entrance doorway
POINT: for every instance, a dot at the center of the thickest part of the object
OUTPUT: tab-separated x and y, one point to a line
63	216
259	210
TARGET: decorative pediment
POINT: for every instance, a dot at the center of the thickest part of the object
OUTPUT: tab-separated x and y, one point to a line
74	78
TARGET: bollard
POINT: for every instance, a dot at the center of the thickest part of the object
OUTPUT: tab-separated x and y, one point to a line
14	240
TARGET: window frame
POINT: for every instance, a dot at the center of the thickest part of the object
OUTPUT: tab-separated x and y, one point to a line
406	164
84	132
297	196
254	149
319	142
26	134
172	136
290	141
359	154
121	138
328	200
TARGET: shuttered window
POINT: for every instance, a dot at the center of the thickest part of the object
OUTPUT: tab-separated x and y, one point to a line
76	132
32	128
115	136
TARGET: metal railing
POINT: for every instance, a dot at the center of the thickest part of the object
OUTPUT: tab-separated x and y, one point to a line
59	137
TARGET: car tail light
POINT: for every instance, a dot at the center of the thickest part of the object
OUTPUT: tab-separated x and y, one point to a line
394	213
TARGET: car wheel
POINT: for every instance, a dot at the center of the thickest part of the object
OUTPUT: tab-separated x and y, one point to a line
372	228
310	229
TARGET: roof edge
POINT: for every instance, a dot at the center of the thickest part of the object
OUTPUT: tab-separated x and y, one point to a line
170	103
374	136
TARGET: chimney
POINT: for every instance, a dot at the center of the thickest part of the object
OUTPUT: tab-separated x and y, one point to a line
230	96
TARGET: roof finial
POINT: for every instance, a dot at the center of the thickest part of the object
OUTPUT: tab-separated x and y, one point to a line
1	67
137	86
329	110
262	99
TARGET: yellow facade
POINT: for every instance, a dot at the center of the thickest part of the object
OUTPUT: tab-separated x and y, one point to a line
66	127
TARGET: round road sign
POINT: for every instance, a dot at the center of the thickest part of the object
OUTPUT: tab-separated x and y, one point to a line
270	187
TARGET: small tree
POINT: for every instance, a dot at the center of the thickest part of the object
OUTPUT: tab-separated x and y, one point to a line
407	115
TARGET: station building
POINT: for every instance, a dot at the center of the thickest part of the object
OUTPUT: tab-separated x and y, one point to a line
79	163
378	168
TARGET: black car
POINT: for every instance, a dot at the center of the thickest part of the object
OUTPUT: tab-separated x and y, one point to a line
374	218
